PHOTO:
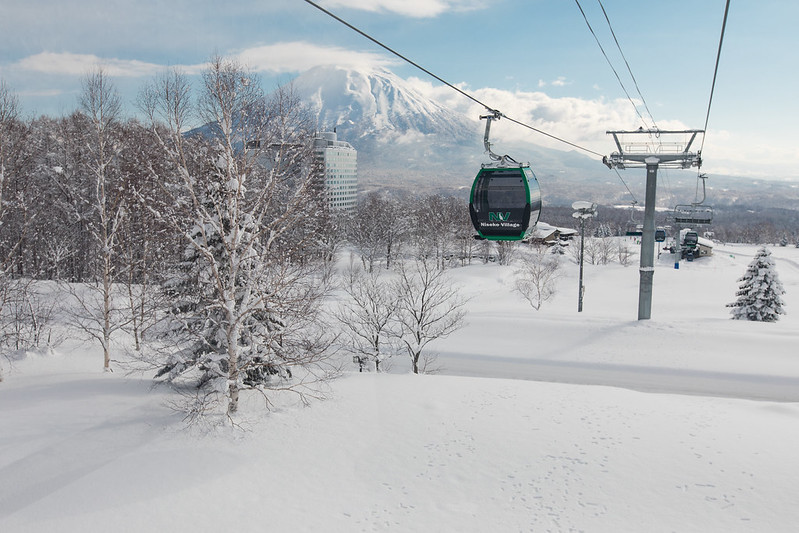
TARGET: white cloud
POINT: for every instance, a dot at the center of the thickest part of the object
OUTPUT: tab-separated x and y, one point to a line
560	81
285	57
299	56
581	121
79	64
43	93
408	8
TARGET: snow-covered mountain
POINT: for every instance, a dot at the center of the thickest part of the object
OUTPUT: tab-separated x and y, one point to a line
407	141
378	103
404	139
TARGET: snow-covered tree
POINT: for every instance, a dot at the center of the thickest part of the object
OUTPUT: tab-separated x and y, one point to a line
436	220
245	194
624	252
368	315
429	308
19	195
506	251
536	279
760	292
378	229
559	248
103	210
8	120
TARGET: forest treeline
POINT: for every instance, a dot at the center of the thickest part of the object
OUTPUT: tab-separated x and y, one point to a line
213	250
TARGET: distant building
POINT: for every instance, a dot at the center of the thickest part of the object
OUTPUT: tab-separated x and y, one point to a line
549	235
340	163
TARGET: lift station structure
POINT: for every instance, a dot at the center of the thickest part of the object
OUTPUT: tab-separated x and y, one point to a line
659	148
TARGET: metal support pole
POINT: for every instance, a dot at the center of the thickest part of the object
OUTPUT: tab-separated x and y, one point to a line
634	155
582	248
582	211
647	269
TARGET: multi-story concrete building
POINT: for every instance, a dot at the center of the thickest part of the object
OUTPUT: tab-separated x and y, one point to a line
340	163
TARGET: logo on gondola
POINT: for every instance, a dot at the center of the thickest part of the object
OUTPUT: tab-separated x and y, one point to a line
495	216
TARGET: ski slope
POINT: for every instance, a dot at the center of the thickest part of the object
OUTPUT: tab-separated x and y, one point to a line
543	420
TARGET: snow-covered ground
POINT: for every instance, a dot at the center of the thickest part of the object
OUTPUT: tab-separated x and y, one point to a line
685	422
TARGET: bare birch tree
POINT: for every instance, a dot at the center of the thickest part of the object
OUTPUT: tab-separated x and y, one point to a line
103	209
368	315
536	278
430	308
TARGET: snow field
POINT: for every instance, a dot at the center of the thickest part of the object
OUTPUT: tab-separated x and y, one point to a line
85	451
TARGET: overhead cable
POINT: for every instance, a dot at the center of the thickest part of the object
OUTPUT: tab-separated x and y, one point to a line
630	70
635	200
602	49
451	86
715	72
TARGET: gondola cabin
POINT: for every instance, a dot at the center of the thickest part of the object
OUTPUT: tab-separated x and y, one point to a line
690	240
660	235
694	246
505	203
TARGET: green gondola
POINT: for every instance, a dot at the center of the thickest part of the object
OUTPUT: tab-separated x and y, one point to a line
505	202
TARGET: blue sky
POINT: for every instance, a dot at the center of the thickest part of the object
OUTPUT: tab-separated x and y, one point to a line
535	60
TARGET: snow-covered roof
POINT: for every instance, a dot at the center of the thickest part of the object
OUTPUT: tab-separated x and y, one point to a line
542	230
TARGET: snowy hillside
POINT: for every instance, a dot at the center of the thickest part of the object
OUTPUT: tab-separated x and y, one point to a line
685	422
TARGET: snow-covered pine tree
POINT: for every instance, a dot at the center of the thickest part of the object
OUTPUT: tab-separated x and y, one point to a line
760	292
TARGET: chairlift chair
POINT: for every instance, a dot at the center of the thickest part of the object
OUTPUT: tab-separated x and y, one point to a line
634	228
697	213
693	214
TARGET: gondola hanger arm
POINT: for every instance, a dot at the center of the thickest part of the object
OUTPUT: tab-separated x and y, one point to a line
494	115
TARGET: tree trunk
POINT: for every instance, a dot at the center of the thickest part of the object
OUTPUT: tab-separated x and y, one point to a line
106	311
233	365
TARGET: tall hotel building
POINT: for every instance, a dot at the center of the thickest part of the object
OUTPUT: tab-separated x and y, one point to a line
340	162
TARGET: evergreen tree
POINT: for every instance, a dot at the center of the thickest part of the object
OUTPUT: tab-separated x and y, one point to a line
760	292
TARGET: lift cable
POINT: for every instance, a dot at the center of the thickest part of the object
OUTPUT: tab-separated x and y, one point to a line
493	111
635	200
666	182
623	88
635	82
715	72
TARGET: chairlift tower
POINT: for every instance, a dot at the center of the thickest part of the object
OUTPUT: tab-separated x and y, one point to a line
659	148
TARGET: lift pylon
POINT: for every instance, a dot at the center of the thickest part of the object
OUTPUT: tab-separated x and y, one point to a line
662	148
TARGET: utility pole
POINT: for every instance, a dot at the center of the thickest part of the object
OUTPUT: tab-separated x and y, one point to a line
652	153
583	210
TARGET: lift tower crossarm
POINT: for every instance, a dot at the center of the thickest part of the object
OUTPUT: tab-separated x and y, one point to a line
635	154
